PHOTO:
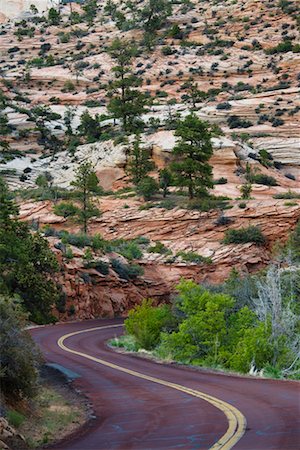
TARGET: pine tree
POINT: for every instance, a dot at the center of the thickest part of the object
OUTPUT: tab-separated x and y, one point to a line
154	14
127	103
192	153
139	163
86	182
165	180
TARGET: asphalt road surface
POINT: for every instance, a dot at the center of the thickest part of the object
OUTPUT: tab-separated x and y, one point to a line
140	404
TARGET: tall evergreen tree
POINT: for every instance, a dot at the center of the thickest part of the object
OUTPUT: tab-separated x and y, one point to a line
139	163
126	102
86	182
154	14
192	153
25	262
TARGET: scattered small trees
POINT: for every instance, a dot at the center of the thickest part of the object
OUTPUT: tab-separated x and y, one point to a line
193	151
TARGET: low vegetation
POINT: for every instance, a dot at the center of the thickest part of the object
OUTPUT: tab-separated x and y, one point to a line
248	322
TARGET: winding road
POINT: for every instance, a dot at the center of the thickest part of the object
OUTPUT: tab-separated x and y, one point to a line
140	404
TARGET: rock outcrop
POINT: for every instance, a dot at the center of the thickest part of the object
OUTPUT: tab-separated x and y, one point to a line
93	294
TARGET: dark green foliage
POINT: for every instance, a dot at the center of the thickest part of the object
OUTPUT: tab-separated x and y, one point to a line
159	247
65	209
244	235
86	183
19	358
145	323
194	257
154	15
237	122
207	203
127	103
129	249
147	187
261	178
287	195
25	262
90	11
139	163
176	32
90	127
80	240
53	16
192	153
284	47
101	266
165	180
126	271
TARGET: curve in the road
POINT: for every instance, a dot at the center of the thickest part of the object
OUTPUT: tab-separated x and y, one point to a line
236	420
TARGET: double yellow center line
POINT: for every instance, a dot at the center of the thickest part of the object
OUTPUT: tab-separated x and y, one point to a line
236	420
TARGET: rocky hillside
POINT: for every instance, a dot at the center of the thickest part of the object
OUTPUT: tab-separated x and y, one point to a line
234	64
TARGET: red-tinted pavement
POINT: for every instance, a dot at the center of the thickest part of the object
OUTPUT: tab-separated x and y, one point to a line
134	413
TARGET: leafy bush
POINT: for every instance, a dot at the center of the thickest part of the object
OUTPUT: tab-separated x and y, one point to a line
244	235
145	323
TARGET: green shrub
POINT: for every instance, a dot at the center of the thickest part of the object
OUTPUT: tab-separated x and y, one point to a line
208	203
261	178
101	266
129	249
126	271
289	195
65	209
147	187
244	235
193	257
145	323
78	240
158	248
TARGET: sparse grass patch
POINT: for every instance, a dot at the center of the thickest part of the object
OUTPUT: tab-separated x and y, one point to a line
53	418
